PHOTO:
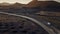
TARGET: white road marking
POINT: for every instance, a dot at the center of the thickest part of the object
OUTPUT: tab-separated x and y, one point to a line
49	30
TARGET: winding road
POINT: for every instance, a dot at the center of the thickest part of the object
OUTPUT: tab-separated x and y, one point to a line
49	30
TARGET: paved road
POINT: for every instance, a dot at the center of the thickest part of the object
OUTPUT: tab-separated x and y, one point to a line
49	30
44	22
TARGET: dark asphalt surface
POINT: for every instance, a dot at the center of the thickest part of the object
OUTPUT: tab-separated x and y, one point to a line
35	17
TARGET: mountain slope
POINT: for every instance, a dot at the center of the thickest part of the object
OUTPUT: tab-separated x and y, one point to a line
41	4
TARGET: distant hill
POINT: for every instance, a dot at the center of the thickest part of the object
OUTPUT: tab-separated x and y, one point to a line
4	3
7	5
36	3
32	7
17	5
44	5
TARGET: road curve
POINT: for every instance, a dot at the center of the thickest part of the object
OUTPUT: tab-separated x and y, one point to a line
49	30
